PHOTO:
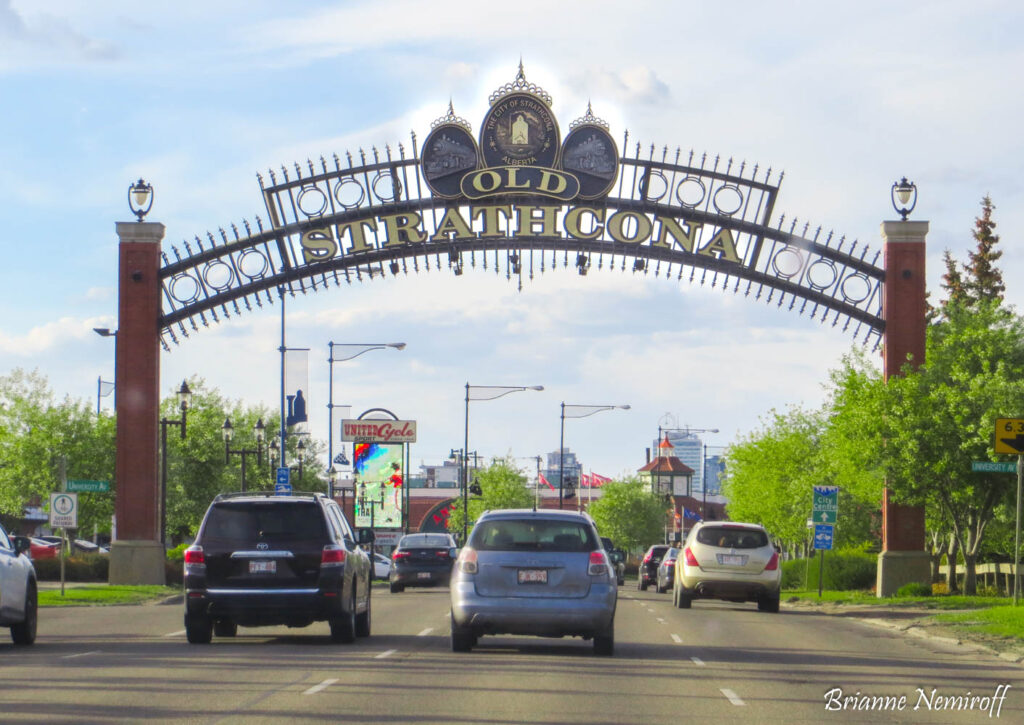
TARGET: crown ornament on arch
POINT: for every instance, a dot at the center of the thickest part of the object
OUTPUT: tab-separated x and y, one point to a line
520	85
589	119
451	119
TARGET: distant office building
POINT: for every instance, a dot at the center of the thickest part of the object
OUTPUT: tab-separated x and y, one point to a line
714	472
445	475
571	467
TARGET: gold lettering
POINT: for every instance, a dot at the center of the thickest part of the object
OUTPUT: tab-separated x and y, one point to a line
490	215
318	245
356	231
452	224
543	225
494	178
545	182
722	245
403	228
670	227
617	227
573	227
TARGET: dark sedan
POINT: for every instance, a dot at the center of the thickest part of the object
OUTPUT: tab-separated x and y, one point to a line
666	571
648	572
422	560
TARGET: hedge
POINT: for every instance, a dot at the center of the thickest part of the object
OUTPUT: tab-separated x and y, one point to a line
844	571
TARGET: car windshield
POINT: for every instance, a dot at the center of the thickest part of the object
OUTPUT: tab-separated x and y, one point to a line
533	535
245	523
425	541
732	538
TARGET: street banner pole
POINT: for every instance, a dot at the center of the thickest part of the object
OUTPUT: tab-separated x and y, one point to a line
1016	547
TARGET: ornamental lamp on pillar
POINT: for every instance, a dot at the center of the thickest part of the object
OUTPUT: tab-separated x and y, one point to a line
140	198
904	197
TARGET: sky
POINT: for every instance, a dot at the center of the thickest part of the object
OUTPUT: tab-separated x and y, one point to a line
197	98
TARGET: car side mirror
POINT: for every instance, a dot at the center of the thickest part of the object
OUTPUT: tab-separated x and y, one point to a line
366	536
453	553
22	544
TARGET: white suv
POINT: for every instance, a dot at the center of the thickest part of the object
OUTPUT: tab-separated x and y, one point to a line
18	596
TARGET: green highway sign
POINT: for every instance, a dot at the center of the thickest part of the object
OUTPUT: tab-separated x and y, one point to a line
76	484
824	517
993	466
826	505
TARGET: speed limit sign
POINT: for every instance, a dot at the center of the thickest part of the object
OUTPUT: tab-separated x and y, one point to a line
64	510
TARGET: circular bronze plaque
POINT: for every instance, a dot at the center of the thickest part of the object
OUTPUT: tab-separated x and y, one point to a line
519	130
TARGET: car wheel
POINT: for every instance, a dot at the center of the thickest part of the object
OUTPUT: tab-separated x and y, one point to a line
620	581
683	598
462	638
363	620
604	643
198	628
641	584
397	588
225	628
24	633
658	588
343	627
768	604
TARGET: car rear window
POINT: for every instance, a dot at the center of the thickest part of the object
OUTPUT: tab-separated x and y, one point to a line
533	535
244	523
731	538
425	541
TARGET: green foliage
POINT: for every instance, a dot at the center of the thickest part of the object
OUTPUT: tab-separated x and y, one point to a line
794	574
502	485
178	552
844	570
629	514
914	589
100	595
84	568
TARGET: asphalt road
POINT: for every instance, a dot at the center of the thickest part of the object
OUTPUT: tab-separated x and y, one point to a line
718	662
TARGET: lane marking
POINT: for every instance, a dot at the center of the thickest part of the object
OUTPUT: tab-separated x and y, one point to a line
322	686
425	632
732	696
677	639
81	654
661	619
698	661
175	634
385	653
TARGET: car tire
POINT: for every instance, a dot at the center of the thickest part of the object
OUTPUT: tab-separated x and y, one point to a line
397	588
198	628
620	581
683	598
604	642
462	638
641	585
658	588
768	604
225	628
24	633
363	620
343	627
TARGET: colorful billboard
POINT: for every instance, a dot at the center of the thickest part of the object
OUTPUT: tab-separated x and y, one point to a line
377	468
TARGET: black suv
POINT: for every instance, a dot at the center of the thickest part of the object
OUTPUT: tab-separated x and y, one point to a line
648	573
262	559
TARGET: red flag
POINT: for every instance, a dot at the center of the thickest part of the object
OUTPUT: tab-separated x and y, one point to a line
545	481
585	480
599	480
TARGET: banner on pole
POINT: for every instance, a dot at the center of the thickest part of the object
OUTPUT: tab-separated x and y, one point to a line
296	387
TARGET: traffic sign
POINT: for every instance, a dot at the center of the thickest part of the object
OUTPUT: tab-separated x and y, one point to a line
1010	435
64	510
284	476
77	484
282	489
824	517
823	537
993	467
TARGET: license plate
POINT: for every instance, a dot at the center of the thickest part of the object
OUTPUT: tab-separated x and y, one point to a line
533	576
262	567
423	575
732	559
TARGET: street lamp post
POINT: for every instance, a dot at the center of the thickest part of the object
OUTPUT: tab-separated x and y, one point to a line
575	411
352	350
184	403
228	432
482	392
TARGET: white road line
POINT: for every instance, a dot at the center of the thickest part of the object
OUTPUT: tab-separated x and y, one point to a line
385	653
81	654
697	661
322	686
175	634
732	696
677	639
425	632
661	619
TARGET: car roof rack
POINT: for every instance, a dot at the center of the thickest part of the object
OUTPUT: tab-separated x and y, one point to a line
268	494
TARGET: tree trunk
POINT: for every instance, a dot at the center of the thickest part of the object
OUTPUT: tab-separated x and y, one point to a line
952	585
970	574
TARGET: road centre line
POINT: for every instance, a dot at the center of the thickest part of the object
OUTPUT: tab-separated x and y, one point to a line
385	653
425	632
81	654
322	686
698	661
732	696
661	619
677	639
175	634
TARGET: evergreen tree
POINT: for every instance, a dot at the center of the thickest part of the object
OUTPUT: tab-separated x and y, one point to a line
985	280
952	280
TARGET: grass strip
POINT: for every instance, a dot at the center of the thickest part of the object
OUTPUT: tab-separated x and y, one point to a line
1001	621
939	601
104	594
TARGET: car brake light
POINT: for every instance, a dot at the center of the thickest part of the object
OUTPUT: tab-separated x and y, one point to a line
442	553
467	561
400	555
691	560
647	557
333	555
773	563
194	555
669	562
598	563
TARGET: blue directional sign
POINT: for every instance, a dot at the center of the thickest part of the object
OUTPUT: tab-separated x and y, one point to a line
282	489
823	536
284	475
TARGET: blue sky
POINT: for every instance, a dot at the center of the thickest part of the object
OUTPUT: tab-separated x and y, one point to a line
198	98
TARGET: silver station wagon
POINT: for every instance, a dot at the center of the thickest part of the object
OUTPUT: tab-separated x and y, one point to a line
542	573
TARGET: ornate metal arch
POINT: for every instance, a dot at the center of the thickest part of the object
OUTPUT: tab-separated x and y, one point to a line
704	219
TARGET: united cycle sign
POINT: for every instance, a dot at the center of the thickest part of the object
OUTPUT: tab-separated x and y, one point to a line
378	431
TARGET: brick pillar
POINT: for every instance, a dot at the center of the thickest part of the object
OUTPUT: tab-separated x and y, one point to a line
137	555
903	558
